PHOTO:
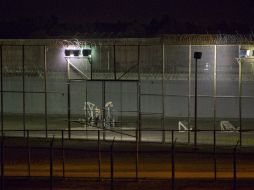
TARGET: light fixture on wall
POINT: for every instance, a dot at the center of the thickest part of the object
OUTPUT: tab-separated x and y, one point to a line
244	53
77	53
67	52
87	52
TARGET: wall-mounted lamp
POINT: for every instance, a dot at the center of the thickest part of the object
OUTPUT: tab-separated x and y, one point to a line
67	52
244	53
77	53
86	52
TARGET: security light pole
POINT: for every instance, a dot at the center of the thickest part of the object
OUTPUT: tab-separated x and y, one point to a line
197	55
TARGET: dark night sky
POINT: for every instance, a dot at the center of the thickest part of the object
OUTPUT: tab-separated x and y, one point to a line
142	10
37	18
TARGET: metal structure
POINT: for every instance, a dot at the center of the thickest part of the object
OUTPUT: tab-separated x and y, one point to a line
150	68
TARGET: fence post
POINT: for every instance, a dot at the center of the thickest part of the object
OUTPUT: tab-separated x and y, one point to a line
99	155
28	154
63	160
173	164
137	153
214	155
234	166
215	167
2	163
51	163
112	165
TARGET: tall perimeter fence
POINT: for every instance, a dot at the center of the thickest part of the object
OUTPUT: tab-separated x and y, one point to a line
157	90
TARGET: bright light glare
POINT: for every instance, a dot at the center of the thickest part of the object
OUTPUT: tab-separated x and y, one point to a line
248	53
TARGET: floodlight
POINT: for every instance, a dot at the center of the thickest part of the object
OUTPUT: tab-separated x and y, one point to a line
197	55
76	52
248	53
67	52
244	53
86	52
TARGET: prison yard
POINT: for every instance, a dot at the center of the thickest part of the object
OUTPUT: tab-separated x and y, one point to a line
175	111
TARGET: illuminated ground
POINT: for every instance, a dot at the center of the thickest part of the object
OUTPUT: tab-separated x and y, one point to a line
126	130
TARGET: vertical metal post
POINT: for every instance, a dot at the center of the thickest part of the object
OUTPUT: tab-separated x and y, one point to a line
68	99
240	99
45	91
86	104
121	109
163	93
114	61
51	163
139	98
234	167
121	92
195	107
91	66
2	163
99	155
138	129
112	165
189	95
2	129
23	91
2	100
214	111
215	166
28	153
214	95
172	136
103	108
173	164
63	157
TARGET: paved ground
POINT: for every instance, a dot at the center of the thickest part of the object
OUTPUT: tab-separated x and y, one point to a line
126	131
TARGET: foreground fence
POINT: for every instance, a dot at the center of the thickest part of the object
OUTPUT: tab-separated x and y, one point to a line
112	158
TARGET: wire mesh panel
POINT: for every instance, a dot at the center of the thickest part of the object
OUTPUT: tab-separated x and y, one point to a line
126	58
12	68
121	110
176	91
77	107
13	118
56	72
151	91
34	75
227	101
104	59
12	58
247	99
